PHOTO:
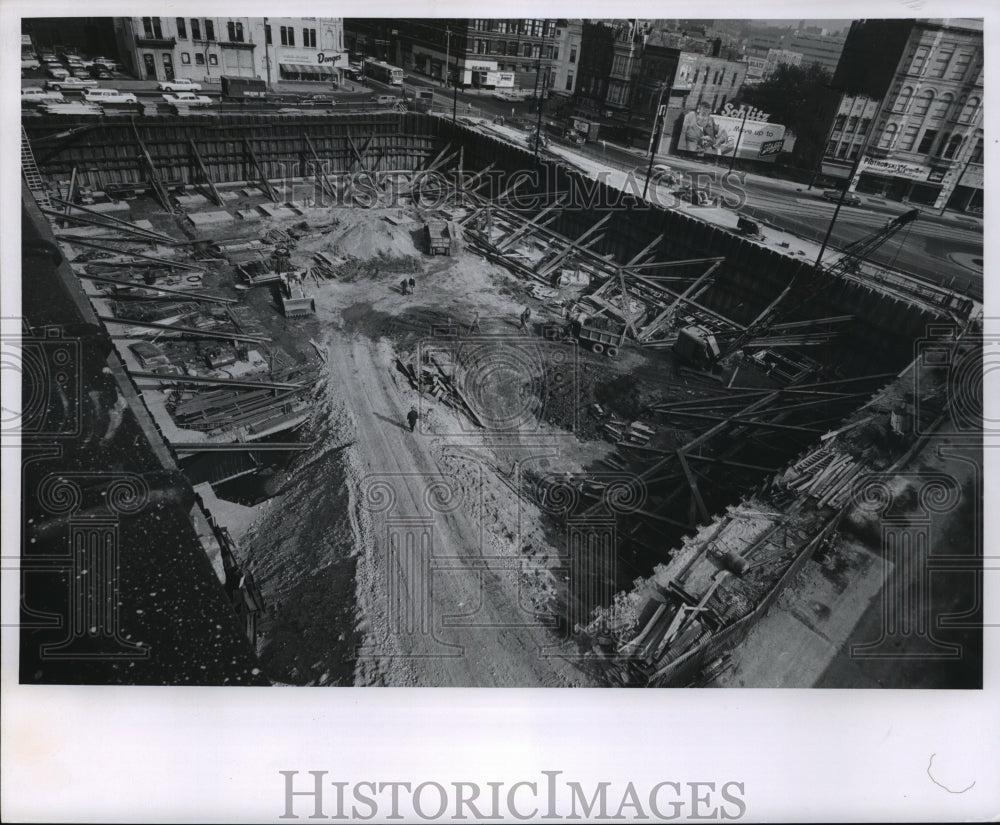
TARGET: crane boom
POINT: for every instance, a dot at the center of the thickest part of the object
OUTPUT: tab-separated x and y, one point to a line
856	252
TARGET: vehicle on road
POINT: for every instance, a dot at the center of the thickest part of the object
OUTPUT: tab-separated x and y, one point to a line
385	72
178	84
35	94
108	96
239	88
389	100
70	84
834	195
187	99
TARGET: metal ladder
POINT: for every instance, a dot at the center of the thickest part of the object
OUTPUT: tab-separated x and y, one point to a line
31	174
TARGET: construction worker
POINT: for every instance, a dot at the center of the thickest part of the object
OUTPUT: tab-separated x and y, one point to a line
403	285
525	317
413	285
412	417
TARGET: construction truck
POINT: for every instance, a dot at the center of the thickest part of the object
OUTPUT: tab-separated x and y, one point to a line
294	301
243	88
438	237
601	335
697	346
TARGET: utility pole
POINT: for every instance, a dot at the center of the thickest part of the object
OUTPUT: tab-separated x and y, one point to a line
739	137
447	54
538	99
654	138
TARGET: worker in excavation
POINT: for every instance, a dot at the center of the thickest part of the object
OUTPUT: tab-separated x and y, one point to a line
412	417
525	317
413	284
402	286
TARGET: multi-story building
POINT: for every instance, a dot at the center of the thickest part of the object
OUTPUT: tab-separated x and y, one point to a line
206	48
815	47
482	53
780	57
926	80
566	60
609	65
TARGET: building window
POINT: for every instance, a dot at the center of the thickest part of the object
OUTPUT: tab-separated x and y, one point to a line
831	147
309	38
842	150
909	139
866	123
903	100
569	84
977	153
941	110
969	111
951	147
181	29
960	66
209	29
185	58
888	136
199	59
838	124
195	29
927	141
213	60
923	103
919	59
527	50
853	154
512	48
940	64
284	35
852	123
267	34
572	54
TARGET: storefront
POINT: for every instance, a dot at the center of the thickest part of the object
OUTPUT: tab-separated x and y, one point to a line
321	67
899	180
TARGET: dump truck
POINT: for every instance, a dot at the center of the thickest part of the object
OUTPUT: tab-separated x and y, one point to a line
438	238
697	346
601	335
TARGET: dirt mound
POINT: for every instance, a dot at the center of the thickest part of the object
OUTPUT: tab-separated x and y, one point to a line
371	238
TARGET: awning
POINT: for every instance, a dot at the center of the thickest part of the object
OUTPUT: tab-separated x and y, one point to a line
307	69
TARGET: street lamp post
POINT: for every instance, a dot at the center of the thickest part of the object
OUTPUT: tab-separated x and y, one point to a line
654	138
739	137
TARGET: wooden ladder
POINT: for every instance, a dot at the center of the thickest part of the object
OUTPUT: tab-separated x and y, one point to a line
31	174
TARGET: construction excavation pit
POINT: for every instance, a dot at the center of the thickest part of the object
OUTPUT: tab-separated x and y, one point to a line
431	409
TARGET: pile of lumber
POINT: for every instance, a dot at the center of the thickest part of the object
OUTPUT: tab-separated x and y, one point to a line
826	475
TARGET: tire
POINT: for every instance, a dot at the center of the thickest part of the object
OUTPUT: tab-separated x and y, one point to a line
597	348
612	351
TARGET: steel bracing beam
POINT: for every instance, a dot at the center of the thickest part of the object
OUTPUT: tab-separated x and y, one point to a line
205	173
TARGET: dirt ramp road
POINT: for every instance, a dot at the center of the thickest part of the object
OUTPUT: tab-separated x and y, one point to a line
439	604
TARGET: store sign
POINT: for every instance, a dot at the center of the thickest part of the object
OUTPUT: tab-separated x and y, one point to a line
750	138
329	58
751	112
482	67
502	80
894	168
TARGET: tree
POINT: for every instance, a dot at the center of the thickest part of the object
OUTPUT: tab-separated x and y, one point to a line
800	98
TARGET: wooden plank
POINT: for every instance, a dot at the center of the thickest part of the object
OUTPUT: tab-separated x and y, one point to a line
205	173
269	190
693	483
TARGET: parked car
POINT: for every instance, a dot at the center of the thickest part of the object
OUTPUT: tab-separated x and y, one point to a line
70	84
56	71
100	71
834	195
30	63
187	99
35	94
178	84
108	96
107	63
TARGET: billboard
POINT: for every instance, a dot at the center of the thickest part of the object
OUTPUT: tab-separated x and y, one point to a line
754	137
894	168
